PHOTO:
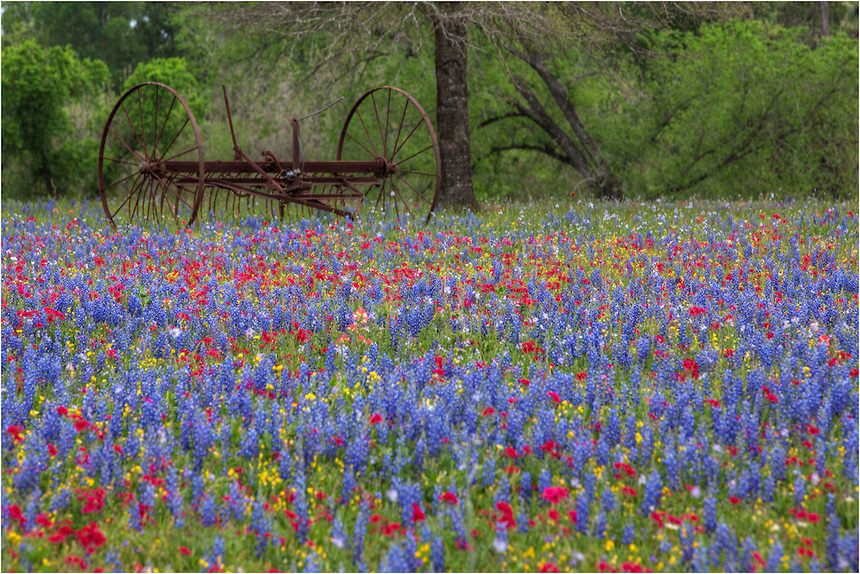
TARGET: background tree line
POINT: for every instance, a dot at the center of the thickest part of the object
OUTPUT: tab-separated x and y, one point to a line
604	100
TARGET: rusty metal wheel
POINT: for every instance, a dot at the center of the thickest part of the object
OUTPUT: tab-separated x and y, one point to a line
150	125
388	125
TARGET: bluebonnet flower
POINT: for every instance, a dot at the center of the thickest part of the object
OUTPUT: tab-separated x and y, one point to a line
599	525
437	554
799	490
359	531
262	526
608	500
583	504
653	493
628	535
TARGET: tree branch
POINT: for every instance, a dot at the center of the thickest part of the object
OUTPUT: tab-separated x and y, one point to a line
545	149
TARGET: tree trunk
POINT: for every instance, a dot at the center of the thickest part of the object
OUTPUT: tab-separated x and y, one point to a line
452	111
825	20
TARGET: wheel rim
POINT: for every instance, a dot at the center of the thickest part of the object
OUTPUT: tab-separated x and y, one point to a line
149	126
388	125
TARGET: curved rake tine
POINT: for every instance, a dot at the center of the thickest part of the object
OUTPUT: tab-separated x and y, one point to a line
405	203
168	185
146	183
126	197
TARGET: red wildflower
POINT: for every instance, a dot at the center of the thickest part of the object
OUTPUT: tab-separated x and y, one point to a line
734	499
507	515
91	536
375	418
525	382
549	567
511	452
449	497
184	550
554	494
554	396
52	450
16	431
417	514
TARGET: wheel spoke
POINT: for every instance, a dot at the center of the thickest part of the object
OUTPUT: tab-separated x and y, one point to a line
164	124
417	172
378	122
418	193
414	154
420	121
107	187
142	125
180	154
173	141
367	133
155	126
120	161
122	141
128	117
400	127
362	147
387	119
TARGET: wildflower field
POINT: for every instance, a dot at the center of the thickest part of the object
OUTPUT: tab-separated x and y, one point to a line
618	387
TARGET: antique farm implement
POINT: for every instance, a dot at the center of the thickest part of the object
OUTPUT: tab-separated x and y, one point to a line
151	165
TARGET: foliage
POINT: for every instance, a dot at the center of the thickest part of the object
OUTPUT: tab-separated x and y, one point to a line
622	387
121	34
172	72
40	141
734	107
706	110
673	105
